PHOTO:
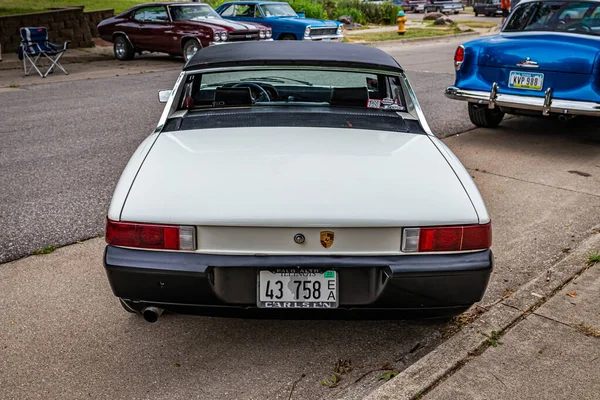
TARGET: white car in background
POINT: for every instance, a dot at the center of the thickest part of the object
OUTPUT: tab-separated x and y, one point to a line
296	180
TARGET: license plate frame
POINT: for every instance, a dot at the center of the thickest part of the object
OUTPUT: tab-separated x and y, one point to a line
526	85
328	286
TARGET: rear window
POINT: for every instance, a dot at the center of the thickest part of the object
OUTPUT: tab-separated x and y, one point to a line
274	87
567	17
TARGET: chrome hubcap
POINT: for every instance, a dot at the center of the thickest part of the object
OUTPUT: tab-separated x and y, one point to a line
190	51
120	48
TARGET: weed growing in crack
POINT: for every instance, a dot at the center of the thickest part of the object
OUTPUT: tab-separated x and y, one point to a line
45	250
594	258
493	338
588	330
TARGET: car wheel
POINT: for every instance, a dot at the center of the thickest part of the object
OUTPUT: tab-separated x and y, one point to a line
130	307
122	49
287	36
190	47
483	116
476	14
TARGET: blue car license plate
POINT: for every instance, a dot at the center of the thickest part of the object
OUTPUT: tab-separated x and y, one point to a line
526	80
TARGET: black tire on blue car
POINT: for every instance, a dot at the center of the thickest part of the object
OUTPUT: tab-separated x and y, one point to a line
481	115
287	36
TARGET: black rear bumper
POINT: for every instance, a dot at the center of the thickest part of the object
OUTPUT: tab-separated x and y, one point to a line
378	286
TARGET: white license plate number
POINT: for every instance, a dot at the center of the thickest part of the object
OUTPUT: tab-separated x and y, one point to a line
297	288
526	80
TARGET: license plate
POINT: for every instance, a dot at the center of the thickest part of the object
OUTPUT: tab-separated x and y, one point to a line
526	80
297	288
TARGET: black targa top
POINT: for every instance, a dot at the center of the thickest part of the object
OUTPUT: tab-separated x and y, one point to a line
292	53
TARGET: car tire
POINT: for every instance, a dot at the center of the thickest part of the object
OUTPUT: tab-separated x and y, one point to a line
287	36
122	48
484	117
190	47
476	14
130	307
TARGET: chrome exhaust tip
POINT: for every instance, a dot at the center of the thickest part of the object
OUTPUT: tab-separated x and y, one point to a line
151	314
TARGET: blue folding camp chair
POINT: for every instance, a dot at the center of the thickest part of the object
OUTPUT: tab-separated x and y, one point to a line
35	45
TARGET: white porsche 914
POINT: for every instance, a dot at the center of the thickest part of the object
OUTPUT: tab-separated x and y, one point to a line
296	180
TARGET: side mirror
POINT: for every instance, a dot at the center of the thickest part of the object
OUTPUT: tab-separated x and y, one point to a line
301	14
163	95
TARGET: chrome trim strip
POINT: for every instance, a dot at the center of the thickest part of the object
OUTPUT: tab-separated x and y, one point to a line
493	96
171	105
527	102
324	37
547	102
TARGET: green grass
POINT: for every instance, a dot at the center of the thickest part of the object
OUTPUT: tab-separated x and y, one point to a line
594	258
477	24
45	250
393	35
9	7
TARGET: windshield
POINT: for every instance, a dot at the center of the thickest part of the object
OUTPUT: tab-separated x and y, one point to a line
287	87
570	17
192	12
278	10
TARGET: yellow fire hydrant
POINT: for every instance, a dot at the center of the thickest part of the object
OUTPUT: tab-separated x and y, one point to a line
401	21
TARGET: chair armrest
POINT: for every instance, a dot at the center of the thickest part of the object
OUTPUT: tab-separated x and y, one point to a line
57	46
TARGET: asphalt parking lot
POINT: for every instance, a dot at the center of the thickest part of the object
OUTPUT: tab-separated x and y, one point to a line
63	334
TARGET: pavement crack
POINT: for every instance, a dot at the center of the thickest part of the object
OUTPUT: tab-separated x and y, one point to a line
532	182
294	385
553	320
499	380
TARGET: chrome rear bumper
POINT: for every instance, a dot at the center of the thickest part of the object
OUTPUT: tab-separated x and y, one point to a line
546	105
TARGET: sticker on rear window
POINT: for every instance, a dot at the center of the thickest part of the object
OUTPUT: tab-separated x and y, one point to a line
373	103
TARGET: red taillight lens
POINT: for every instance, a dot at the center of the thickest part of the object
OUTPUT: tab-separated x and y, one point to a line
447	238
455	238
459	57
147	236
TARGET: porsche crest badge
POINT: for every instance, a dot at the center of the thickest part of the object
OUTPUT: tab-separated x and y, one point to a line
327	239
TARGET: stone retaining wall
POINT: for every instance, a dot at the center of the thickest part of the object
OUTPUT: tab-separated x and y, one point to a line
63	24
93	18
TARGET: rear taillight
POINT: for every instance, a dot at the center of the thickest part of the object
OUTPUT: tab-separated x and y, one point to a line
459	57
150	236
447	238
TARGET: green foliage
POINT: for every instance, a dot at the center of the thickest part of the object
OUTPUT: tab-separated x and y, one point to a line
371	13
312	9
45	250
356	14
214	3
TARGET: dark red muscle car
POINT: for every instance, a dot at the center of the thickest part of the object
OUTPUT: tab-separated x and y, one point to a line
174	28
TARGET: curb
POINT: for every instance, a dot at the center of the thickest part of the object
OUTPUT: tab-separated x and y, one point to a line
417	40
450	356
18	64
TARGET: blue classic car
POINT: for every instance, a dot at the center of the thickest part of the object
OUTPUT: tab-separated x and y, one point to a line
545	61
282	19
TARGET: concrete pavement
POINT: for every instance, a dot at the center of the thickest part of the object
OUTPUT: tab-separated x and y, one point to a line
549	351
553	353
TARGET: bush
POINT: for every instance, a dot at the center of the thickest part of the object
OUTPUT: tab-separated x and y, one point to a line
312	9
371	13
214	3
356	14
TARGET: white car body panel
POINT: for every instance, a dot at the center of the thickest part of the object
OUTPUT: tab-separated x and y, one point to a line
295	177
128	175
